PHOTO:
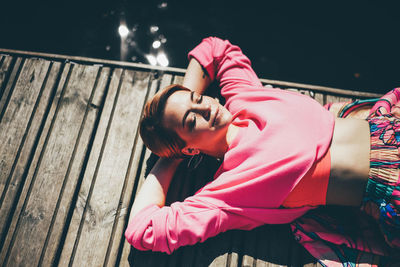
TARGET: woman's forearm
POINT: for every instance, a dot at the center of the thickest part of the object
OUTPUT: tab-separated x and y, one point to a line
196	78
155	187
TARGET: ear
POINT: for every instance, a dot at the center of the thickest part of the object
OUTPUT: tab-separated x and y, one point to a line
190	151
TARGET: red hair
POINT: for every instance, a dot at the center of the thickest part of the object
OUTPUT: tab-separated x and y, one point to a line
160	140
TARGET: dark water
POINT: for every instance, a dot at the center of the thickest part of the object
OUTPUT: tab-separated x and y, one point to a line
350	45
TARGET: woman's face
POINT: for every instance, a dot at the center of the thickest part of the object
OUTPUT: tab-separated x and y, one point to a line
201	121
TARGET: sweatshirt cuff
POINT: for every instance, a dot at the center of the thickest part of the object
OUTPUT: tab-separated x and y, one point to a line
136	229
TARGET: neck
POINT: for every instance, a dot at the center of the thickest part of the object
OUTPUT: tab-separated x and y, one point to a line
231	133
223	146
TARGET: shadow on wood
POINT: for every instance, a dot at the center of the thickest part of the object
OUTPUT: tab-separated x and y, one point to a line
268	244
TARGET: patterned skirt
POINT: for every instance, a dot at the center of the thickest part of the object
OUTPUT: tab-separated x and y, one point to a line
350	236
382	196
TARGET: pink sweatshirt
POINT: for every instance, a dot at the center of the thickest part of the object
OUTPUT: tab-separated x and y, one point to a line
284	133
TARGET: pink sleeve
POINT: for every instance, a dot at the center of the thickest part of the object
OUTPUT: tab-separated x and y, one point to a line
167	228
226	63
387	101
183	223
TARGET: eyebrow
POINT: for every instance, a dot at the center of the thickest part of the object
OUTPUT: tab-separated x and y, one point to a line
187	111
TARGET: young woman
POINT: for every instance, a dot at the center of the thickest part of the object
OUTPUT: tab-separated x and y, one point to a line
283	155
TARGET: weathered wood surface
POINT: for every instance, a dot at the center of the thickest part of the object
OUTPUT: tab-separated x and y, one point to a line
71	162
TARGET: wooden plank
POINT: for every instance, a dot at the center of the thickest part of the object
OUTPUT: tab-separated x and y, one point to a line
17	114
53	168
178	79
6	92
317	264
59	222
66	257
336	99
319	98
27	148
162	82
4	70
103	198
29	178
114	63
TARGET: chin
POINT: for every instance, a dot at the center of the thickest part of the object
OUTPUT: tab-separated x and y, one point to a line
226	118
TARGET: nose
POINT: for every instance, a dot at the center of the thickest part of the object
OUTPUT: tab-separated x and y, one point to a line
204	109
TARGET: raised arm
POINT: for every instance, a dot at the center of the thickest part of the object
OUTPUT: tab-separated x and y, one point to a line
217	59
196	78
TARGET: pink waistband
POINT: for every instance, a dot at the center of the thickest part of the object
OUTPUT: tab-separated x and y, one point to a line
311	190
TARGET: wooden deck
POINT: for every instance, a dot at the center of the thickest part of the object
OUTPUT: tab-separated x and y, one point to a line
71	161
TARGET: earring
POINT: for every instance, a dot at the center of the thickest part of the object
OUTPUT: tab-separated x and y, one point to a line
190	151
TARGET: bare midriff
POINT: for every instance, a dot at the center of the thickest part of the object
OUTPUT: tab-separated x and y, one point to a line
349	150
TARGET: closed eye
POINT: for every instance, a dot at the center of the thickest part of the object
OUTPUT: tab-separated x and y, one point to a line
192	122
